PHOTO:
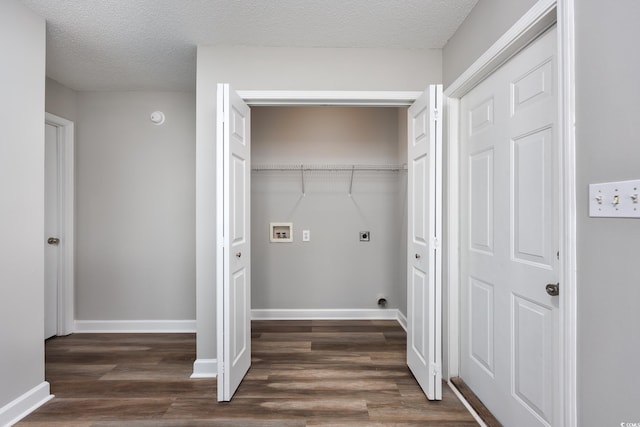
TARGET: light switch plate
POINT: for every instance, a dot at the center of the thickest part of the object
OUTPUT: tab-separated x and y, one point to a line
615	199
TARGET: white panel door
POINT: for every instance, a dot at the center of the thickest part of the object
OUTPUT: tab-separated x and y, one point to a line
234	248
51	231
509	239
423	252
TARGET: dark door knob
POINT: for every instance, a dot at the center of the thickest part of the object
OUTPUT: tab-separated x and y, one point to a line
553	289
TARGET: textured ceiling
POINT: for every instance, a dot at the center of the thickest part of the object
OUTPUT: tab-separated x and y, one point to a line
151	44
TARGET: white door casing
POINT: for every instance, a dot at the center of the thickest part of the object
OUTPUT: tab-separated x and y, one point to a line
427	348
424	231
51	231
208	187
60	223
509	238
233	288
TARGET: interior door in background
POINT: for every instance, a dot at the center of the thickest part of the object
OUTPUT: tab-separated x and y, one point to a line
424	283
233	288
51	231
509	238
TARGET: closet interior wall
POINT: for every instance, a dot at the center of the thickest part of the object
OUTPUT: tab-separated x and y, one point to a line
334	270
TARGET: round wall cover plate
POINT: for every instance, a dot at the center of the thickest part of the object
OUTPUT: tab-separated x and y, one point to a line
157	117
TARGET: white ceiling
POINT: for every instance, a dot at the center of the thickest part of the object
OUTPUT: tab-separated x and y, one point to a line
151	44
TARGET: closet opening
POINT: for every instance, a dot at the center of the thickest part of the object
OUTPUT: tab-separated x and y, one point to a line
338	173
328	212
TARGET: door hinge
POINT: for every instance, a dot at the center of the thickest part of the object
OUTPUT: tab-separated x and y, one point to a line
435	243
434	369
221	367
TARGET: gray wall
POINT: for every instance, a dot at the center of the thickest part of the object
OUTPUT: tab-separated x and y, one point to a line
61	101
334	270
488	20
22	75
249	68
607	148
607	66
135	198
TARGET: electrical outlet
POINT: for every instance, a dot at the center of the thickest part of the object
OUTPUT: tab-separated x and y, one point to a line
365	236
306	235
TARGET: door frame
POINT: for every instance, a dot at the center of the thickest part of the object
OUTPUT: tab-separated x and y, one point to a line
293	98
206	197
66	206
372	98
540	17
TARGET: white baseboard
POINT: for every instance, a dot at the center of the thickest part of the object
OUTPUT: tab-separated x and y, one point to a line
328	314
205	368
402	319
134	326
22	406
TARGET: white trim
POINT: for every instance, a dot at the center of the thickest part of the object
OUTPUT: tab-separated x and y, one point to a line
402	319
452	108
328	314
344	98
205	368
568	250
25	404
135	326
466	404
436	245
66	203
543	14
220	242
533	23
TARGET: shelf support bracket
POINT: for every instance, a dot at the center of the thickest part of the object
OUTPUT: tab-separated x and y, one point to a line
353	169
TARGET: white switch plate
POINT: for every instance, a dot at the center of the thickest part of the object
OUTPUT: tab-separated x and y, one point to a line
615	199
306	235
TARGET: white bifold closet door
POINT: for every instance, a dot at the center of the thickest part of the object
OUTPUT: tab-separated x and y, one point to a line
424	336
233	290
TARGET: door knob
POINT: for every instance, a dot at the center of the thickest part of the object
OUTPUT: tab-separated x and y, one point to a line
417	256
238	255
53	240
553	289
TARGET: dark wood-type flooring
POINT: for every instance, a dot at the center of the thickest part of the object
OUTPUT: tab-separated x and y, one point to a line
304	373
477	405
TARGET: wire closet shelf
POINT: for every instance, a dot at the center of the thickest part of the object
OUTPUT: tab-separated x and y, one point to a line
328	167
302	168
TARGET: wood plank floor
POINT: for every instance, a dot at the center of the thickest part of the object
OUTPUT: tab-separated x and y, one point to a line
483	412
304	373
